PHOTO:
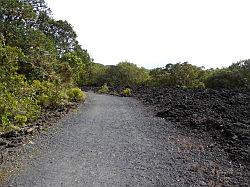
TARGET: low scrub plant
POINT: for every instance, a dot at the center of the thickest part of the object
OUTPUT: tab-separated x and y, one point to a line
104	89
127	92
17	111
76	94
43	100
20	120
50	94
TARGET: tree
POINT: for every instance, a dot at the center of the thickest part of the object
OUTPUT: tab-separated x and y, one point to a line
178	75
243	67
60	32
126	74
159	77
95	75
39	6
225	78
40	61
15	17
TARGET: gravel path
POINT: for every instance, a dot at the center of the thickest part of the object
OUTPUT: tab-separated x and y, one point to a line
113	141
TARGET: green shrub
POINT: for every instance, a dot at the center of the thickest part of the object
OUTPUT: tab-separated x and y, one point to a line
243	67
20	120
17	111
104	89
43	100
58	98
226	79
127	92
5	120
50	94
76	94
126	74
200	85
63	97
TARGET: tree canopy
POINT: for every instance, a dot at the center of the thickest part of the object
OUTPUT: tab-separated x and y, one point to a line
40	61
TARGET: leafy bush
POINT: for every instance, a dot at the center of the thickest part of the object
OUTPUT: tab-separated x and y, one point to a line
44	100
20	120
178	75
76	94
104	89
226	79
243	67
127	92
50	94
17	110
126	74
18	104
95	75
158	77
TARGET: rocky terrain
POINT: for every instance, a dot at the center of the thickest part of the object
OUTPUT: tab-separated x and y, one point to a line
222	114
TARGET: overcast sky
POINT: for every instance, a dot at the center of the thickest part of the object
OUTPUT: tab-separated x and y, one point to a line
152	33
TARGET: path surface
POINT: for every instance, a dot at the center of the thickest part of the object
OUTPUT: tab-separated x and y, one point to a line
109	141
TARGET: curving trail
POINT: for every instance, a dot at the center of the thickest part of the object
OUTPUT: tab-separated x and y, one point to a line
109	141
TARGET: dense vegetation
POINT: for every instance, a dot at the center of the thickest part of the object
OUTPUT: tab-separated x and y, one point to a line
183	75
41	62
190	76
122	74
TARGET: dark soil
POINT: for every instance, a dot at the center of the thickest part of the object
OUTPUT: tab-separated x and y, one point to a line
222	114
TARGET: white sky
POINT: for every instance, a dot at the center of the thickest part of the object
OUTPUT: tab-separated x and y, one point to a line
152	33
